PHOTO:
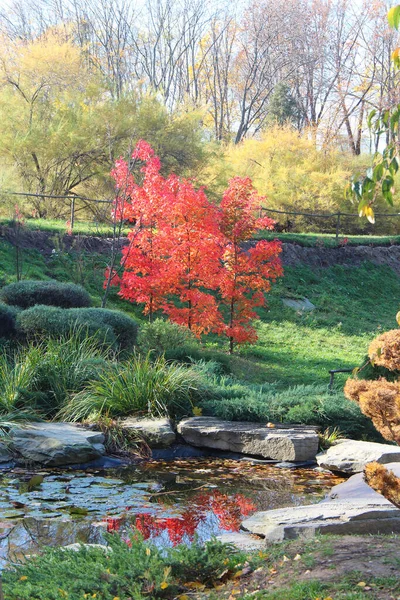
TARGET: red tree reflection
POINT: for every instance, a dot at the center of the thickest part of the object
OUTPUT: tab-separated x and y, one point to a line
229	510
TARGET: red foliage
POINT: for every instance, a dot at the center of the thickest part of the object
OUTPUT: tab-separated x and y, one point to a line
115	278
186	256
113	524
228	509
247	272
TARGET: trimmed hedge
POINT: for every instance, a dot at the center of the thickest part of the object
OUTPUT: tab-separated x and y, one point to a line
124	328
7	321
111	327
50	293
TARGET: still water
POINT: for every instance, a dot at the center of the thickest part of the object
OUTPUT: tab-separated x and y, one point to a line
168	502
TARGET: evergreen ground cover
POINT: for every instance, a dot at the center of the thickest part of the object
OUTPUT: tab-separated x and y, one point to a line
327	567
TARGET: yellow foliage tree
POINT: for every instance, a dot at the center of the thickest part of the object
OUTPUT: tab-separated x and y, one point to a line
291	171
62	129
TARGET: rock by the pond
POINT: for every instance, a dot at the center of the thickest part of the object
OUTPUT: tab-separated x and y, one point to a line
351	507
356	489
296	443
56	444
157	433
351	456
304	304
5	454
347	517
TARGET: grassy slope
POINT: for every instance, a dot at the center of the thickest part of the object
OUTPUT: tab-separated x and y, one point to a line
353	305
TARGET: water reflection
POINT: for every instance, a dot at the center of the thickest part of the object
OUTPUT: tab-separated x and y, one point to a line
169	503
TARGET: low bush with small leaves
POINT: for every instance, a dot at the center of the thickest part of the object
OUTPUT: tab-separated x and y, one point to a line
51	293
135	570
7	321
124	327
302	404
110	327
162	337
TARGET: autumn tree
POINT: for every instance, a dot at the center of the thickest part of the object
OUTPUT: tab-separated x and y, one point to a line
172	261
247	269
186	256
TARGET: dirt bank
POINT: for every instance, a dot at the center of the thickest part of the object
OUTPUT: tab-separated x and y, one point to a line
351	256
292	254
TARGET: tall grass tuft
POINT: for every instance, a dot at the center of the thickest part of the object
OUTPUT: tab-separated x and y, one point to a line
64	366
16	375
139	386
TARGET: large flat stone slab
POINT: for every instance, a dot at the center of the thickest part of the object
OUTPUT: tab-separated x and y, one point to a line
157	433
56	444
351	507
337	518
355	489
351	456
280	443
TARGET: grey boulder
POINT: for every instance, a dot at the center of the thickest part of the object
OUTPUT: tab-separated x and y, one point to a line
301	305
351	456
56	444
281	443
331	517
5	454
157	433
351	507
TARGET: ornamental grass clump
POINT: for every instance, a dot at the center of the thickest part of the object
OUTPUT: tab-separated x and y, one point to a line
138	386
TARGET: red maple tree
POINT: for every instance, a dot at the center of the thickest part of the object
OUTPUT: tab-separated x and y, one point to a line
187	256
247	269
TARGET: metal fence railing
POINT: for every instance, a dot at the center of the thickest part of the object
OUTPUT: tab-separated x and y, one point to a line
335	223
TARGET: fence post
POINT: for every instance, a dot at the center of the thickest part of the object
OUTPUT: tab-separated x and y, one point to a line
337	227
72	219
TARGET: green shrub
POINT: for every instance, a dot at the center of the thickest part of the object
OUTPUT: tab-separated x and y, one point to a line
51	293
7	321
190	354
110	327
16	375
139	571
41	322
139	386
162	337
124	328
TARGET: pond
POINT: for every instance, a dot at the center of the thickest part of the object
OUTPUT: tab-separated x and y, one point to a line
169	502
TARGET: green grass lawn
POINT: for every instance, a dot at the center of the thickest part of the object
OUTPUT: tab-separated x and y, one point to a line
303	239
328	240
59	226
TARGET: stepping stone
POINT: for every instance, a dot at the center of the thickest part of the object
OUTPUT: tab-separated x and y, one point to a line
242	541
356	489
351	456
282	443
56	444
351	507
